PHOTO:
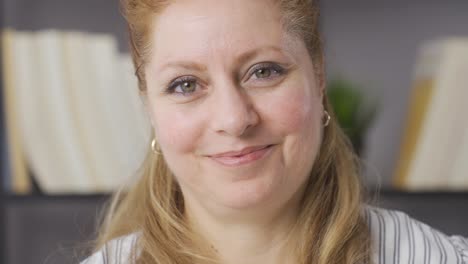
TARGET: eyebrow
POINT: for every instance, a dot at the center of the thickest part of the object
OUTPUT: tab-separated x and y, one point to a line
246	56
186	65
254	52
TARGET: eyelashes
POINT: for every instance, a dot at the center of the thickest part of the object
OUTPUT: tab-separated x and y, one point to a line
183	85
266	70
261	74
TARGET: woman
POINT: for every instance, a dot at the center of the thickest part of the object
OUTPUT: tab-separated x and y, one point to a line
247	164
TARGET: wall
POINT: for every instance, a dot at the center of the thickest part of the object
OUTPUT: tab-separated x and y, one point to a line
101	16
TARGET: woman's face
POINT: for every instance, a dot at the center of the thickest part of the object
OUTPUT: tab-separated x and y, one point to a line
234	101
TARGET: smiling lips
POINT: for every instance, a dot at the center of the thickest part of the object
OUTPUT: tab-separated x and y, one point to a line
247	155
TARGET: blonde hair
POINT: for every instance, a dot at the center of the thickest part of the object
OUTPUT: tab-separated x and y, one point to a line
331	227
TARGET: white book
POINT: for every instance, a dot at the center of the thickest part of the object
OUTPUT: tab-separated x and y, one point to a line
459	175
137	117
110	107
83	124
62	169
78	74
442	131
107	107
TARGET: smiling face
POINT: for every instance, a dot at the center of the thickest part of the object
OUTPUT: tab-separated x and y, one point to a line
235	103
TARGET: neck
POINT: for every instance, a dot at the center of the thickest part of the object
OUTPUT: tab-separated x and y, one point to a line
248	237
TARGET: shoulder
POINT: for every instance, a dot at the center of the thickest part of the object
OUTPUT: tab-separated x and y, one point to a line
118	250
398	238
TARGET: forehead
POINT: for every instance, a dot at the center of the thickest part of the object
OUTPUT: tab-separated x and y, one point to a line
201	27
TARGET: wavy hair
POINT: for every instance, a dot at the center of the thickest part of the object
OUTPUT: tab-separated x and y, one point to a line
331	227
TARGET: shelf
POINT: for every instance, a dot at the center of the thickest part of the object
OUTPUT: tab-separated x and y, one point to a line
393	192
100	196
72	218
61	197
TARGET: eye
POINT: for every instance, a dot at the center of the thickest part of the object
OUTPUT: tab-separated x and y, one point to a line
266	71
187	87
184	85
263	73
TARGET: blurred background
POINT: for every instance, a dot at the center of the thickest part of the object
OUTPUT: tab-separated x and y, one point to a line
72	127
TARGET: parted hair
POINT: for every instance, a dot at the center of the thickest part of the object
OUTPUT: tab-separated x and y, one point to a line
331	227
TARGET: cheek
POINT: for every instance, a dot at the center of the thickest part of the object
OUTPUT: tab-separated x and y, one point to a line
177	132
296	117
294	111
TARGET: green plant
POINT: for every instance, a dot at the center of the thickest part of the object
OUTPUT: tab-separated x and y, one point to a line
354	111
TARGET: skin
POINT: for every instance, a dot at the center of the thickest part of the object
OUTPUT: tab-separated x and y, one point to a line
245	211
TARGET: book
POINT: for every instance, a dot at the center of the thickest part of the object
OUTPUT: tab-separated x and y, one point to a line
16	173
420	99
77	71
78	123
432	139
459	175
113	129
139	133
58	161
5	174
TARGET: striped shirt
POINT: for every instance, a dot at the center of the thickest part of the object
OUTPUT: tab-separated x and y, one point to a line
396	239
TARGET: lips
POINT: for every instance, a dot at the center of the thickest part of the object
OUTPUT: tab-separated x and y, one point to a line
244	156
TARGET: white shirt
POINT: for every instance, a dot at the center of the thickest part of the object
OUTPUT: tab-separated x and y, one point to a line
396	238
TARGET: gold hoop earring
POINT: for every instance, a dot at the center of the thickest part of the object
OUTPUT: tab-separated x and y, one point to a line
155	147
328	117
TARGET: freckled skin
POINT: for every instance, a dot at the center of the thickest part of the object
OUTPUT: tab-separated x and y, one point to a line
232	114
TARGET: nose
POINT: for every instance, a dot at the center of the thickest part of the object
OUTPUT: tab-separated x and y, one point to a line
233	112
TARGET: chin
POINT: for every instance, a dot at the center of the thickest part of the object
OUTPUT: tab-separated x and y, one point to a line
248	194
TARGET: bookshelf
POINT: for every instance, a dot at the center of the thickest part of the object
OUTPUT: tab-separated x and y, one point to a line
375	43
73	215
103	16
